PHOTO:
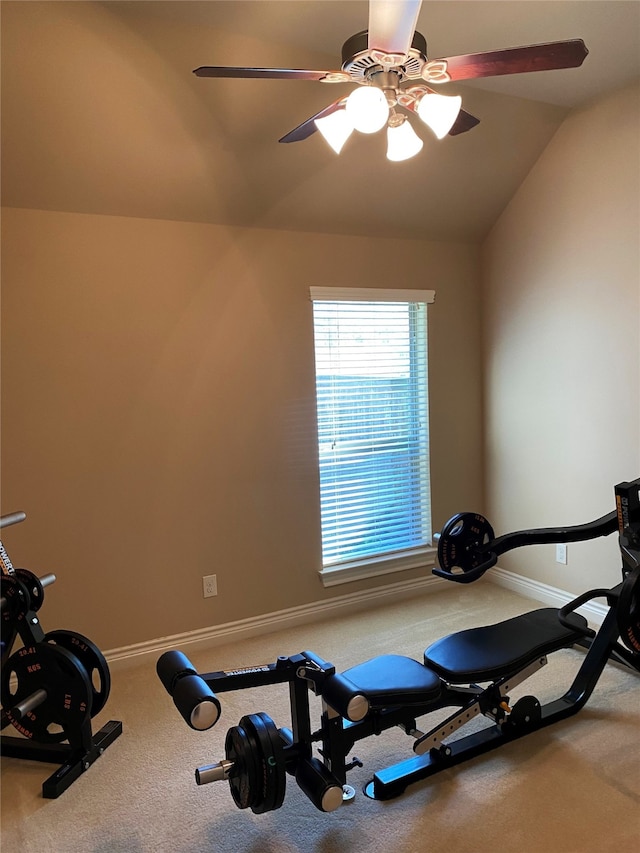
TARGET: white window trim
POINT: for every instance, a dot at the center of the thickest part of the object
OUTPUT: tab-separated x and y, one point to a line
371	567
370	294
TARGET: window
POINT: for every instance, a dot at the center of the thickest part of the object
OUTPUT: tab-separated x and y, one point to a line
373	434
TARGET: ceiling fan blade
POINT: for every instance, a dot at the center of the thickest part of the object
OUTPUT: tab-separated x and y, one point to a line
304	130
392	24
273	73
517	60
463	123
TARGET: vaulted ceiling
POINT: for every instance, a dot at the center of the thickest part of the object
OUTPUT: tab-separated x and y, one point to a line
101	113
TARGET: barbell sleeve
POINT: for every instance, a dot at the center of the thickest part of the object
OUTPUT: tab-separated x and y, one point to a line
218	772
29	703
12	518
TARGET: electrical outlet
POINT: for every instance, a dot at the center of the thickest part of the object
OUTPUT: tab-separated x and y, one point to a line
209	585
561	554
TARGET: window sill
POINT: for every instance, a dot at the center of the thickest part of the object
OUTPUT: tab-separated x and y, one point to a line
362	569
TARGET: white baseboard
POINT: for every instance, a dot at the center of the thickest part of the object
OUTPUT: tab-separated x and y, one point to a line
593	611
217	635
203	638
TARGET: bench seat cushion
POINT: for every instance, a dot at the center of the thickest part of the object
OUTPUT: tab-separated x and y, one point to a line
493	651
382	682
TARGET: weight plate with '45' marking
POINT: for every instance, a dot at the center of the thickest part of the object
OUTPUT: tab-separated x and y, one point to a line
65	700
93	661
463	540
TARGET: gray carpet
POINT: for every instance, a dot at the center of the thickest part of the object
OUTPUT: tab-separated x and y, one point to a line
570	788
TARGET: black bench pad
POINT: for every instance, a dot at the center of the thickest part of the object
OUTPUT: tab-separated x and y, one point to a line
493	651
384	681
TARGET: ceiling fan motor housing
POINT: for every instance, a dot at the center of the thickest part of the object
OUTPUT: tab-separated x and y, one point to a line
360	61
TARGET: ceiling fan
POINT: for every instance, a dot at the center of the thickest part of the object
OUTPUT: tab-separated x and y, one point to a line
389	63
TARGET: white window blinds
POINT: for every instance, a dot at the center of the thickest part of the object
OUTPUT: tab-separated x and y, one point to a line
373	437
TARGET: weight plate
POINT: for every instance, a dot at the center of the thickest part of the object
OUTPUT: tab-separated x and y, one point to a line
60	674
91	659
243	781
16	596
34	588
628	611
271	762
463	542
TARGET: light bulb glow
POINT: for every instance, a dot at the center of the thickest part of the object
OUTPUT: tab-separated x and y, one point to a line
336	128
367	109
439	112
402	142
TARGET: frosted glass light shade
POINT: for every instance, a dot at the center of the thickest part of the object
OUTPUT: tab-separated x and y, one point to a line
439	112
367	109
402	142
336	128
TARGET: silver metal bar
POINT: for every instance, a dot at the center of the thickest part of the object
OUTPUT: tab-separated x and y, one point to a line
29	704
218	772
521	676
12	518
434	738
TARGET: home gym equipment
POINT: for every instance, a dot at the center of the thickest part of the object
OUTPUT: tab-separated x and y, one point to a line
52	686
473	672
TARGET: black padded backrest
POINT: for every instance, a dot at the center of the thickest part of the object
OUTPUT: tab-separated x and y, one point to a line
493	651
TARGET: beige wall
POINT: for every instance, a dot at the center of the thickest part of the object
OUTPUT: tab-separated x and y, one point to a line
561	341
159	413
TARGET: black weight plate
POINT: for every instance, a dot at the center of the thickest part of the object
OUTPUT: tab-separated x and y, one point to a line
93	661
271	762
34	588
243	781
462	540
628	611
17	599
61	675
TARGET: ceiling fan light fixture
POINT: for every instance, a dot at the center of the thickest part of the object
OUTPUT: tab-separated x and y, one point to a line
439	112
402	141
336	128
367	109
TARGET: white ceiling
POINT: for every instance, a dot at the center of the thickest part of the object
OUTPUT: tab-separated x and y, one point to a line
101	113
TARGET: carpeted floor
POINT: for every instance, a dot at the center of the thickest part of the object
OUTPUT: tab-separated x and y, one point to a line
571	788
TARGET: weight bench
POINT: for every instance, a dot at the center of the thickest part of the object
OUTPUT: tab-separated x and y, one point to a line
472	671
371	697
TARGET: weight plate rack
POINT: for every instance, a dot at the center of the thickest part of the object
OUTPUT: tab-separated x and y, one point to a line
52	685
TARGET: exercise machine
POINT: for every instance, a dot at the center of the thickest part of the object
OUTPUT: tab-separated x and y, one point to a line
472	672
52	685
